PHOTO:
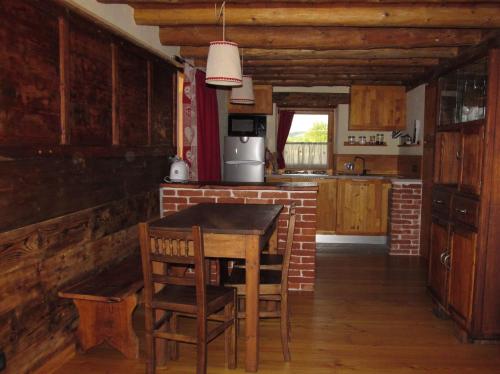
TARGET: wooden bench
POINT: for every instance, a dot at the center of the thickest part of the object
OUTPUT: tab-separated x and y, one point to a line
105	303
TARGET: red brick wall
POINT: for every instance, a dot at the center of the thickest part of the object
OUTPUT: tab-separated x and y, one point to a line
303	261
405	209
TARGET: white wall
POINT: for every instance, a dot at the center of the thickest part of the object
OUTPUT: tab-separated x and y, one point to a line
121	18
415	110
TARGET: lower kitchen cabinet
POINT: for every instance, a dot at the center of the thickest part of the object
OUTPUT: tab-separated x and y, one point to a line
327	206
362	206
439	254
463	256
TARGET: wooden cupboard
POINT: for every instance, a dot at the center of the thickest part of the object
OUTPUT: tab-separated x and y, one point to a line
439	251
349	206
464	261
377	108
362	207
263	102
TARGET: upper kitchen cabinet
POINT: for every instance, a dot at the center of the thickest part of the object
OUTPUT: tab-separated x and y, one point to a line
263	102
377	108
463	94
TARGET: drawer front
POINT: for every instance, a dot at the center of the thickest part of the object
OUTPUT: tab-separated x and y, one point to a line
465	210
441	203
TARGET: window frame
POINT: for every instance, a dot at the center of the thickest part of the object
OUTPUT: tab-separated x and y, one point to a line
330	136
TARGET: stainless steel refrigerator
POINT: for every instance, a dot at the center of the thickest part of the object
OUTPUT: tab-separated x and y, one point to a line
244	159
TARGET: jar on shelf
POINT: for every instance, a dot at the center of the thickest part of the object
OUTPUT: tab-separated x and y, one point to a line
362	140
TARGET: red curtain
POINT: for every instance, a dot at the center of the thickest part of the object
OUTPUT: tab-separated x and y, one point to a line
208	130
284	124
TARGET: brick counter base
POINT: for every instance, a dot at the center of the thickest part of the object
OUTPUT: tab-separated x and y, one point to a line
404	226
303	260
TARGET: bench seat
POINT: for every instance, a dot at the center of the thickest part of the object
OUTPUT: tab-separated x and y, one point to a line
105	303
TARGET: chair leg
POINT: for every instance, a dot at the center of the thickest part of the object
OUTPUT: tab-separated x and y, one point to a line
284	329
230	312
174	346
201	346
150	343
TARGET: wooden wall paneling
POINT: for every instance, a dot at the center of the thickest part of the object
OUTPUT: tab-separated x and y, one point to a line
430	120
162	99
115	84
90	83
64	79
410	166
29	74
42	258
150	98
132	95
39	189
487	302
375	164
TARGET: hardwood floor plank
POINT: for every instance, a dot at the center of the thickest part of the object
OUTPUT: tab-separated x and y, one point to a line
370	314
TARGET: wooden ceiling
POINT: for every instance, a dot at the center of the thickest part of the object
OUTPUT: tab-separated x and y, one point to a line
311	43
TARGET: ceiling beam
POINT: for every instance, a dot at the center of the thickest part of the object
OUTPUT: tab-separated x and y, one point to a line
257	53
336	62
327	82
333	69
320	38
471	15
312	76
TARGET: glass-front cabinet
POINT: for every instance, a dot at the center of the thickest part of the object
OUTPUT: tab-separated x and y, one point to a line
463	94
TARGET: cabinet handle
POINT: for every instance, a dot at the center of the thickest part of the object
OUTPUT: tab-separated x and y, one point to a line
461	211
447	263
445	251
439	202
458	155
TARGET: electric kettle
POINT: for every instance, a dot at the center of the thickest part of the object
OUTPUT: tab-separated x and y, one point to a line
179	171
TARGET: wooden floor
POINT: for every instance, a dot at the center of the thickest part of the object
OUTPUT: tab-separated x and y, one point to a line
369	314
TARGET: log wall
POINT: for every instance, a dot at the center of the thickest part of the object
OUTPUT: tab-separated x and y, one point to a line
86	126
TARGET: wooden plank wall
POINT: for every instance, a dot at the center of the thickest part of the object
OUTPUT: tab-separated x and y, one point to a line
86	126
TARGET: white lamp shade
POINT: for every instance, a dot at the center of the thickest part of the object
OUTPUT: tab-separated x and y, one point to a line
243	94
223	64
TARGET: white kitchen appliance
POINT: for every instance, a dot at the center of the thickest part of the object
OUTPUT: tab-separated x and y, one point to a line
179	170
244	159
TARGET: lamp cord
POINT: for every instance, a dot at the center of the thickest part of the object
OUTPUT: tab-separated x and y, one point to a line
223	14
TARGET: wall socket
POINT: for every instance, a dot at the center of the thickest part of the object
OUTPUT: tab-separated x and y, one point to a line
3	361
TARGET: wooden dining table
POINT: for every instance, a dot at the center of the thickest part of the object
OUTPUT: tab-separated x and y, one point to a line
234	231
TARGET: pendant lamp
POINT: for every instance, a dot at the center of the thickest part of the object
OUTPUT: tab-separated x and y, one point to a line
243	94
223	61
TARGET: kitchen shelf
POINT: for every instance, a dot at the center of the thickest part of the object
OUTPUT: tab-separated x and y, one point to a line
365	145
409	145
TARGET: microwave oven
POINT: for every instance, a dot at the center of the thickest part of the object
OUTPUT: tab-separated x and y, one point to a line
246	125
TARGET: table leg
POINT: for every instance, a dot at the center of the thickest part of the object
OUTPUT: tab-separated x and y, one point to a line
252	303
273	241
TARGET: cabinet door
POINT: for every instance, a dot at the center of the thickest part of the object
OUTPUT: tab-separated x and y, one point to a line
377	108
438	250
447	158
393	109
363	107
327	201
463	255
362	207
471	158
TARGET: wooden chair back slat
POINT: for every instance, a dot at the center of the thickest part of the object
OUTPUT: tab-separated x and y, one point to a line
288	247
172	247
171	279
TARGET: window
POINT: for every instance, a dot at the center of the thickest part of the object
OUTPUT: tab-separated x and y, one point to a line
307	143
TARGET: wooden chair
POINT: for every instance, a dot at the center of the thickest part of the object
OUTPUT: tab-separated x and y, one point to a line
183	295
273	287
269	261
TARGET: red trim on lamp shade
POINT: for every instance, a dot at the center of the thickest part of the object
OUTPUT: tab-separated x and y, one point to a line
228	79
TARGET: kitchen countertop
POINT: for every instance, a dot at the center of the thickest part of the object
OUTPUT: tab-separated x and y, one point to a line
394	178
295	186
